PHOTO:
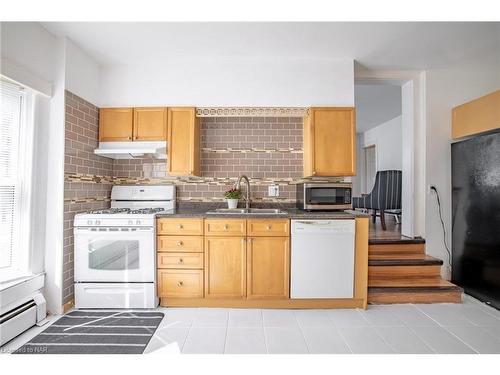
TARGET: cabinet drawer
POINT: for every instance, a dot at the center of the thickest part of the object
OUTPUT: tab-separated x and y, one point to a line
191	227
225	227
180	283
180	260
178	244
268	228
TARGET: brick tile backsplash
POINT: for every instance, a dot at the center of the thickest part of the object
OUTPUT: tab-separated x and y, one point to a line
221	133
81	138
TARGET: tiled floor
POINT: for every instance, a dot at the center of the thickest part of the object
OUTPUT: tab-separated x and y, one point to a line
471	327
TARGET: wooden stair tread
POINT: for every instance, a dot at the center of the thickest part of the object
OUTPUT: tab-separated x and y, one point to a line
409	282
403	260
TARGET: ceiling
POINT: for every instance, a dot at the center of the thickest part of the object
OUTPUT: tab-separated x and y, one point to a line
374	45
376	104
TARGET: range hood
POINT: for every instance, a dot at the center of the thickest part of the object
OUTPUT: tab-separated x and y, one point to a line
132	150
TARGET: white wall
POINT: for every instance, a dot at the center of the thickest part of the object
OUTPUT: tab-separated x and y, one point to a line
376	104
40	60
387	139
447	88
230	83
30	46
388	147
82	74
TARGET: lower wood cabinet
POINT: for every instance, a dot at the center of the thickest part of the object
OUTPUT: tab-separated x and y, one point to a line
180	283
180	260
225	267
268	267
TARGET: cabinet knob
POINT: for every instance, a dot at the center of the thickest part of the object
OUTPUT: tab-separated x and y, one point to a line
129	138
181	260
180	283
180	226
314	173
226	227
268	227
250	239
179	243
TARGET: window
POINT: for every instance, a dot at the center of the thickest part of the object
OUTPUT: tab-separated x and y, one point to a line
14	178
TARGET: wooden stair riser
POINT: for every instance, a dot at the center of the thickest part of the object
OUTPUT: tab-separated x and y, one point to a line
398	248
408	272
414	296
401	272
408	282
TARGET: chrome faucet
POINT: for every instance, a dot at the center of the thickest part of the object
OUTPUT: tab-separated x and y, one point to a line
238	185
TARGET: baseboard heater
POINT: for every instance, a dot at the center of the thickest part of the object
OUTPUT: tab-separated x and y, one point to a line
20	316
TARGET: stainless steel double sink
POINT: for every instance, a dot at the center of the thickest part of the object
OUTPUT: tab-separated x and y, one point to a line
247	211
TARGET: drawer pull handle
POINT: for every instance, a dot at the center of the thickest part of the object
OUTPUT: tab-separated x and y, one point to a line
180	283
180	226
179	243
181	260
226	227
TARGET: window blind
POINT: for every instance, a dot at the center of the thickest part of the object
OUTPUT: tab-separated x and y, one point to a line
11	102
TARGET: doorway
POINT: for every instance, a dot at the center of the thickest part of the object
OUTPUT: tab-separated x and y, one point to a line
370	168
412	85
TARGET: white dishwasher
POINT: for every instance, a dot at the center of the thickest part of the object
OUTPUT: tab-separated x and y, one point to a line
322	259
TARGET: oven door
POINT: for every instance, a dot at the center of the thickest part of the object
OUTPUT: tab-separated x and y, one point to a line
114	254
319	197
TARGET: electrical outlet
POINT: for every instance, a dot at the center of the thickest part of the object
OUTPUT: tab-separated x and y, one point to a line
274	191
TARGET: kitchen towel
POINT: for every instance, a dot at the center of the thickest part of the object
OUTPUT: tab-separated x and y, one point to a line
96	332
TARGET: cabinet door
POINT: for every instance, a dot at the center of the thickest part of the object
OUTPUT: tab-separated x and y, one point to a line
180	283
183	142
115	124
268	265
329	142
150	124
225	267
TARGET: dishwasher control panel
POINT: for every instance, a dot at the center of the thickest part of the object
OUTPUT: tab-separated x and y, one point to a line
323	226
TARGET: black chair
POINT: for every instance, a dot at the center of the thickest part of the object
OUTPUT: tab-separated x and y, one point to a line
385	195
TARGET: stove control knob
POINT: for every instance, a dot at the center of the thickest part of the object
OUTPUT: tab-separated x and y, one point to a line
138	222
130	222
89	222
98	222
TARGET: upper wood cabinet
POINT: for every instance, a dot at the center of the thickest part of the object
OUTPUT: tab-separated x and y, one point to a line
478	116
150	124
132	124
225	267
115	124
330	142
183	142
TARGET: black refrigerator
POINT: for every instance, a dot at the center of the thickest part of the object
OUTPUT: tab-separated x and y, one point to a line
476	216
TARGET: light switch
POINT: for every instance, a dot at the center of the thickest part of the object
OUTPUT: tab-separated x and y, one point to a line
274	191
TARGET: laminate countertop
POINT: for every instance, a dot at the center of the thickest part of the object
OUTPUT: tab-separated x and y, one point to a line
291	213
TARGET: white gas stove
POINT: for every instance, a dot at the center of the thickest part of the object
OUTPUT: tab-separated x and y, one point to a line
115	252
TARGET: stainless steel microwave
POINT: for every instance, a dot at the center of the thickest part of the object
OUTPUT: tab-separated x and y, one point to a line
324	196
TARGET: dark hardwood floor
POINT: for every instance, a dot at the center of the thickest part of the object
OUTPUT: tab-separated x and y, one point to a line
393	231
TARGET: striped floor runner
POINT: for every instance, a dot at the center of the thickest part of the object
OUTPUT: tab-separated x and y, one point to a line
96	332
